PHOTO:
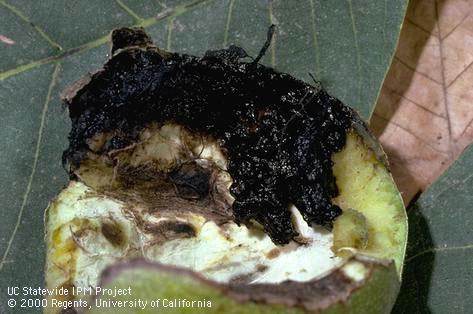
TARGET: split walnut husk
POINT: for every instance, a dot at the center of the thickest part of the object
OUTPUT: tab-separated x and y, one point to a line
221	179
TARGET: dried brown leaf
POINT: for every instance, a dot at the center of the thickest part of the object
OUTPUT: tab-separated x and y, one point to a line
425	110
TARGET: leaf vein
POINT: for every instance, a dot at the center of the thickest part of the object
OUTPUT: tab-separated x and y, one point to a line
444	86
460	74
273	40
456	27
129	11
385	12
314	39
25	19
227	23
357	48
413	23
34	166
419	138
415	70
450	187
466	128
169	34
440	249
414	102
178	10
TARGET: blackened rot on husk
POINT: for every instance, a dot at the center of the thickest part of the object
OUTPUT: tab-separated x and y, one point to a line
279	132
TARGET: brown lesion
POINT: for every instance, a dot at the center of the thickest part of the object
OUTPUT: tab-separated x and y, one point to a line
159	195
242	279
114	233
191	181
314	295
273	253
165	191
130	37
168	230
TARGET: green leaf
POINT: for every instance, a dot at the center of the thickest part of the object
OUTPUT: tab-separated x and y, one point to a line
438	274
46	45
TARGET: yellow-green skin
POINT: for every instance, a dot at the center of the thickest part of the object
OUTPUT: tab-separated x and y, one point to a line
364	183
376	293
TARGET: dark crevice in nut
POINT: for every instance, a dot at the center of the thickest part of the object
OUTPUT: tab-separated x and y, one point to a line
279	132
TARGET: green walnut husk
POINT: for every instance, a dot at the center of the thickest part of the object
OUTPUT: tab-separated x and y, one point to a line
135	216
